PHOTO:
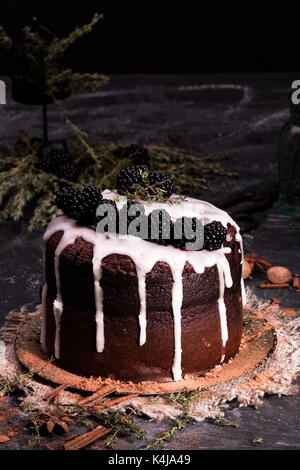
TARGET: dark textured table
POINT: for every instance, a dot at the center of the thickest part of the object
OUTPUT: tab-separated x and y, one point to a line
238	115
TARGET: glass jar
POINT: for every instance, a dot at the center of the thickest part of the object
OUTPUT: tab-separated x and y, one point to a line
289	164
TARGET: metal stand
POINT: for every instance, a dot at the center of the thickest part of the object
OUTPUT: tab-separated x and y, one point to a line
45	142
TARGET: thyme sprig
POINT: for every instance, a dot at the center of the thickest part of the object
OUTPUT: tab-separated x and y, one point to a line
185	399
123	424
147	191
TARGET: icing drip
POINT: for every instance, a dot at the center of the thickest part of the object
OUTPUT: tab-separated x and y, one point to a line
43	329
222	311
141	275
57	310
177	295
44	307
97	269
144	255
244	298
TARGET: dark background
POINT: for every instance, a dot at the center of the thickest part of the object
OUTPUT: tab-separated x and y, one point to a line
169	37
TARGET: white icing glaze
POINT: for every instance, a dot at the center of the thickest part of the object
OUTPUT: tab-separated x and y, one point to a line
189	207
244	297
43	329
145	255
44	306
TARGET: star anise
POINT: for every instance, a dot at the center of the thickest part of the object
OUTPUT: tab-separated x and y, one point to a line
257	262
46	423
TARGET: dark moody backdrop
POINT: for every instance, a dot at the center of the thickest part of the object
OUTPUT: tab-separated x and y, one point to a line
170	37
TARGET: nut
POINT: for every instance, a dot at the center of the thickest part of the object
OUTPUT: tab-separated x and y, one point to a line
246	269
278	275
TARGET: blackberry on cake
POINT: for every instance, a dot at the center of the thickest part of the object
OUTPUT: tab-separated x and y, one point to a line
214	235
130	176
136	210
139	179
163	182
80	205
160	227
182	228
112	219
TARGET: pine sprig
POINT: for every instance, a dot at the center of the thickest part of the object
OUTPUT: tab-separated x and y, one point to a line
49	57
5	40
58	46
22	182
89	82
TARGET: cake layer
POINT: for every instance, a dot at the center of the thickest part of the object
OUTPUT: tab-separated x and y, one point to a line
122	357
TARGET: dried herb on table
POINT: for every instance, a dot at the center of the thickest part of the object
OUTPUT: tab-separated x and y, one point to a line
122	424
185	399
221	421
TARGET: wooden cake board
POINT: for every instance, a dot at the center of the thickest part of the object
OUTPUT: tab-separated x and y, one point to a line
257	345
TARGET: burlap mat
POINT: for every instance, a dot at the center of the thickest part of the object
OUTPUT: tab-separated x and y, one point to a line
274	376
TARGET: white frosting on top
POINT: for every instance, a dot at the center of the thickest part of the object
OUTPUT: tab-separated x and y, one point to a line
179	207
145	255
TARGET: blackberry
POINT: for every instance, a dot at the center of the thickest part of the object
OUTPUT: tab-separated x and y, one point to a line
68	171
52	160
163	182
139	154
130	176
60	163
214	235
181	229
139	211
79	205
160	227
113	219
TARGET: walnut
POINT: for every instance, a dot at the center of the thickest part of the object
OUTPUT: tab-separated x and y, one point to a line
278	275
247	270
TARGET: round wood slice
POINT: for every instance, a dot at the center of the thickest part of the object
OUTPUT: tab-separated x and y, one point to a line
258	343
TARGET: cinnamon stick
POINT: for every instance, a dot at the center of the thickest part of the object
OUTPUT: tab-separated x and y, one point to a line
296	281
264	286
115	401
56	392
96	396
81	441
262	265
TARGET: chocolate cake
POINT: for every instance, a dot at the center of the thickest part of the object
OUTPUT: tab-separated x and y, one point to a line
123	307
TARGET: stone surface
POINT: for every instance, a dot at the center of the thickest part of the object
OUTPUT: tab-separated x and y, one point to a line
238	115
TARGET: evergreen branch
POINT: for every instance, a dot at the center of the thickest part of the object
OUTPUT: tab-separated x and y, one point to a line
82	136
87	81
33	37
79	134
21	181
56	82
5	40
59	46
